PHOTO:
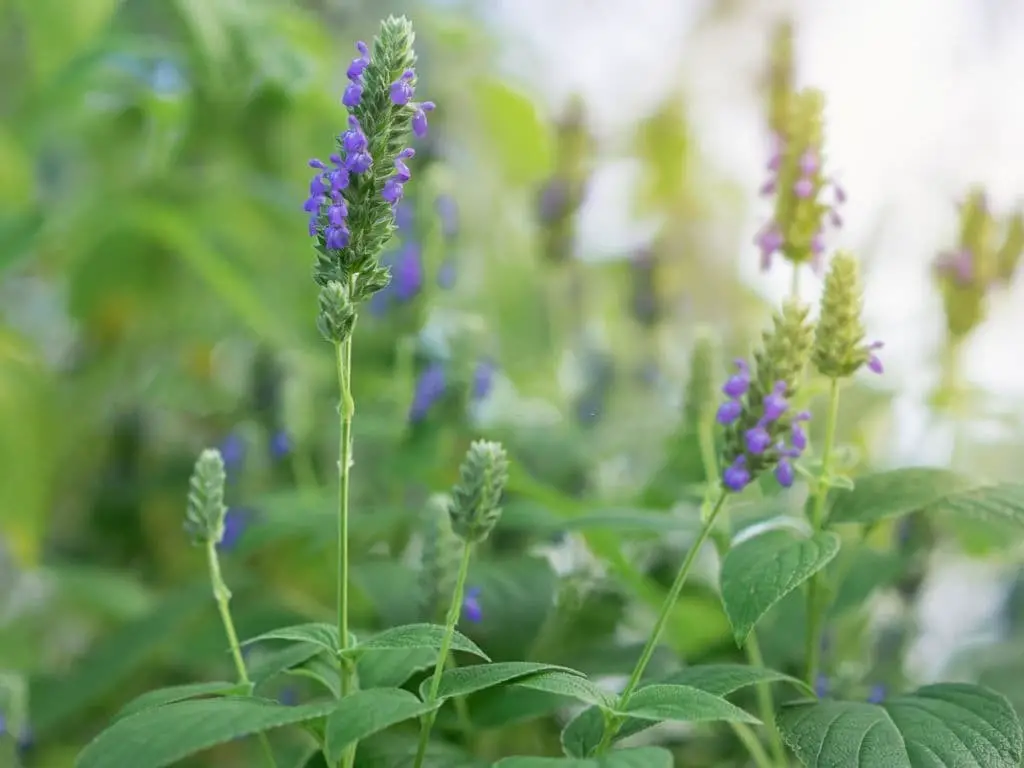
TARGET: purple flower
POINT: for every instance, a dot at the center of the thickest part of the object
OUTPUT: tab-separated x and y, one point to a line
393	187
325	190
797	435
737	476
877	694
803	188
448	213
360	63
784	472
280	444
354	139
471	605
232	450
446	275
235	523
821	686
769	241
402	89
757	439
874	362
419	118
430	386
407	272
738	384
483	379
728	412
352	96
775	404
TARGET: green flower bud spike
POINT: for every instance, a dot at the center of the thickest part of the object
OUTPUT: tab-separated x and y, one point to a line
204	514
699	397
839	348
337	316
475	508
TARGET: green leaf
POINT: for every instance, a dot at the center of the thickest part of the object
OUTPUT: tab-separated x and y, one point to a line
582	735
522	142
318	633
162	696
390	669
685	704
415	636
903	491
759	572
274	663
642	757
572	685
463	681
158	737
364	713
949	724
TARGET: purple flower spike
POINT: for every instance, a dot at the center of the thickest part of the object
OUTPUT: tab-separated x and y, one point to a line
471	605
874	362
775	404
352	96
757	440
784	473
737	476
738	384
419	118
877	694
402	89
728	412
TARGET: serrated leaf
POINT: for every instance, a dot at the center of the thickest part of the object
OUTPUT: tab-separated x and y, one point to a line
903	491
162	696
390	669
759	572
463	681
684	703
364	713
582	735
415	636
641	757
572	685
949	724
159	737
317	633
274	663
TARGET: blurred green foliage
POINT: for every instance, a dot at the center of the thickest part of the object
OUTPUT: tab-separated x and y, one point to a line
155	297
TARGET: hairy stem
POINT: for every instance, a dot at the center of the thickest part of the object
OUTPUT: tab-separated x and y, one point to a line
815	605
659	626
343	357
454	611
766	703
223	596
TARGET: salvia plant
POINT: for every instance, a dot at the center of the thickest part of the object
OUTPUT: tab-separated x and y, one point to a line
755	429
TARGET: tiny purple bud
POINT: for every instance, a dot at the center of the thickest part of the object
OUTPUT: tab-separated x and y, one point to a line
336	213
419	118
874	362
352	96
402	89
471	605
769	240
840	193
757	440
314	163
767	188
803	188
784	473
728	412
736	476
798	437
360	162
809	162
402	172
737	384
775	403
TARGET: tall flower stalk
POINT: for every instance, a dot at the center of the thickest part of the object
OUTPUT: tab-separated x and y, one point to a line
352	207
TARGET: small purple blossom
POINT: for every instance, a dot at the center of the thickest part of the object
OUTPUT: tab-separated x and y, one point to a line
877	694
757	439
354	92
430	386
769	241
738	384
407	272
402	89
354	139
775	404
393	187
784	472
352	96
874	362
471	609
803	188
232	450
737	476
419	118
280	444
235	523
797	435
483	379
728	412
325	190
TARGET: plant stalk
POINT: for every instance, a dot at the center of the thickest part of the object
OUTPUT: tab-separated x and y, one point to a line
454	611
815	608
659	626
222	595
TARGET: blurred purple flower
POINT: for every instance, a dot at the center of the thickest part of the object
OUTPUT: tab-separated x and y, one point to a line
877	694
430	386
448	212
483	378
471	609
232	450
235	522
280	444
405	218
821	686
407	272
446	275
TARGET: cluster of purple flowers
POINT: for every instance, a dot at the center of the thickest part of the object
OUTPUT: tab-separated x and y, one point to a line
433	383
767	437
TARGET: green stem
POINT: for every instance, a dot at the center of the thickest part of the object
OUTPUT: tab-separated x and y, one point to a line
746	735
454	611
659	626
343	357
815	607
222	595
765	701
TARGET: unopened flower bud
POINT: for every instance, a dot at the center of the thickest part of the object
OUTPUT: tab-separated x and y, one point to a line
475	507
205	511
839	348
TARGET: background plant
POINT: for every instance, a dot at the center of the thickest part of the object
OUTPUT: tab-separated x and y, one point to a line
180	315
